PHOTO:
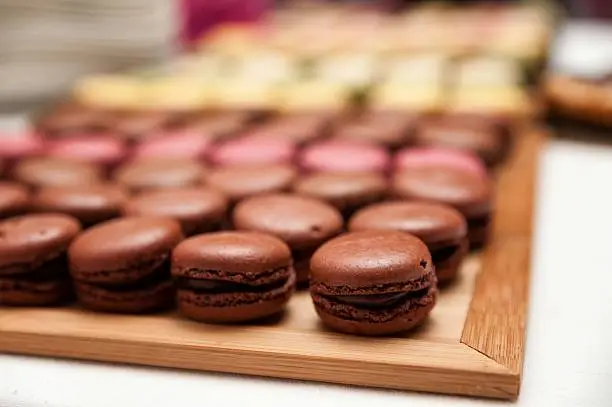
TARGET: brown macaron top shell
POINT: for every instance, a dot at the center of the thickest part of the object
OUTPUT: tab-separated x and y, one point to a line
342	190
248	253
481	139
28	241
122	244
301	222
388	130
190	206
71	118
370	259
238	182
430	222
159	173
40	171
469	193
14	199
88	203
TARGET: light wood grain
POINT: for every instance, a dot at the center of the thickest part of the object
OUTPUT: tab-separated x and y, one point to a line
496	321
472	344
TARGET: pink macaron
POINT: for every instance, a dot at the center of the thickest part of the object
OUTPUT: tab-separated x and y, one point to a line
253	151
15	146
421	157
101	150
178	144
344	156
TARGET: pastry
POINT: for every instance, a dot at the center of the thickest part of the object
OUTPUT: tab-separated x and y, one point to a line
442	228
373	283
123	265
303	223
230	277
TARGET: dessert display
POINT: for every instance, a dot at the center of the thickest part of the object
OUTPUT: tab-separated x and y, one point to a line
331	183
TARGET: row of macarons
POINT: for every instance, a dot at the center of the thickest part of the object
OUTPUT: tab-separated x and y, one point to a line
520	32
347	182
180	134
379	270
352	149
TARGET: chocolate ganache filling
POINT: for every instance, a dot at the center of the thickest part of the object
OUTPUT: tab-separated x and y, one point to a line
378	301
158	275
53	269
210	286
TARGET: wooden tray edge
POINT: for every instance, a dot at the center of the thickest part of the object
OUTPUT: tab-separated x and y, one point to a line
496	322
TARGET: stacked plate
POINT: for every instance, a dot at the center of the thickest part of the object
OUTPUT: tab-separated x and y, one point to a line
46	44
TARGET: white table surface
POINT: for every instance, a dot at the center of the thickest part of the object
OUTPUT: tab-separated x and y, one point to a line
569	342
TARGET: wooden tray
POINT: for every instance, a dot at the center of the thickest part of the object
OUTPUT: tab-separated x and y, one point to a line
473	343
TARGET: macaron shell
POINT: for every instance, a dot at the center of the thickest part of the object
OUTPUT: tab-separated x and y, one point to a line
14	199
90	204
368	259
253	152
341	156
194	208
447	270
108	251
249	255
240	182
178	145
38	172
368	323
467	192
90	148
142	300
159	173
411	158
299	221
22	292
343	190
380	128
20	146
428	221
236	307
484	142
33	239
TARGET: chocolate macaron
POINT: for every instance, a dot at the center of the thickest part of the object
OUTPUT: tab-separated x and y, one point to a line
442	228
123	265
466	191
42	172
90	204
388	130
228	277
33	267
198	210
346	191
240	182
146	174
14	199
373	282
480	138
301	222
